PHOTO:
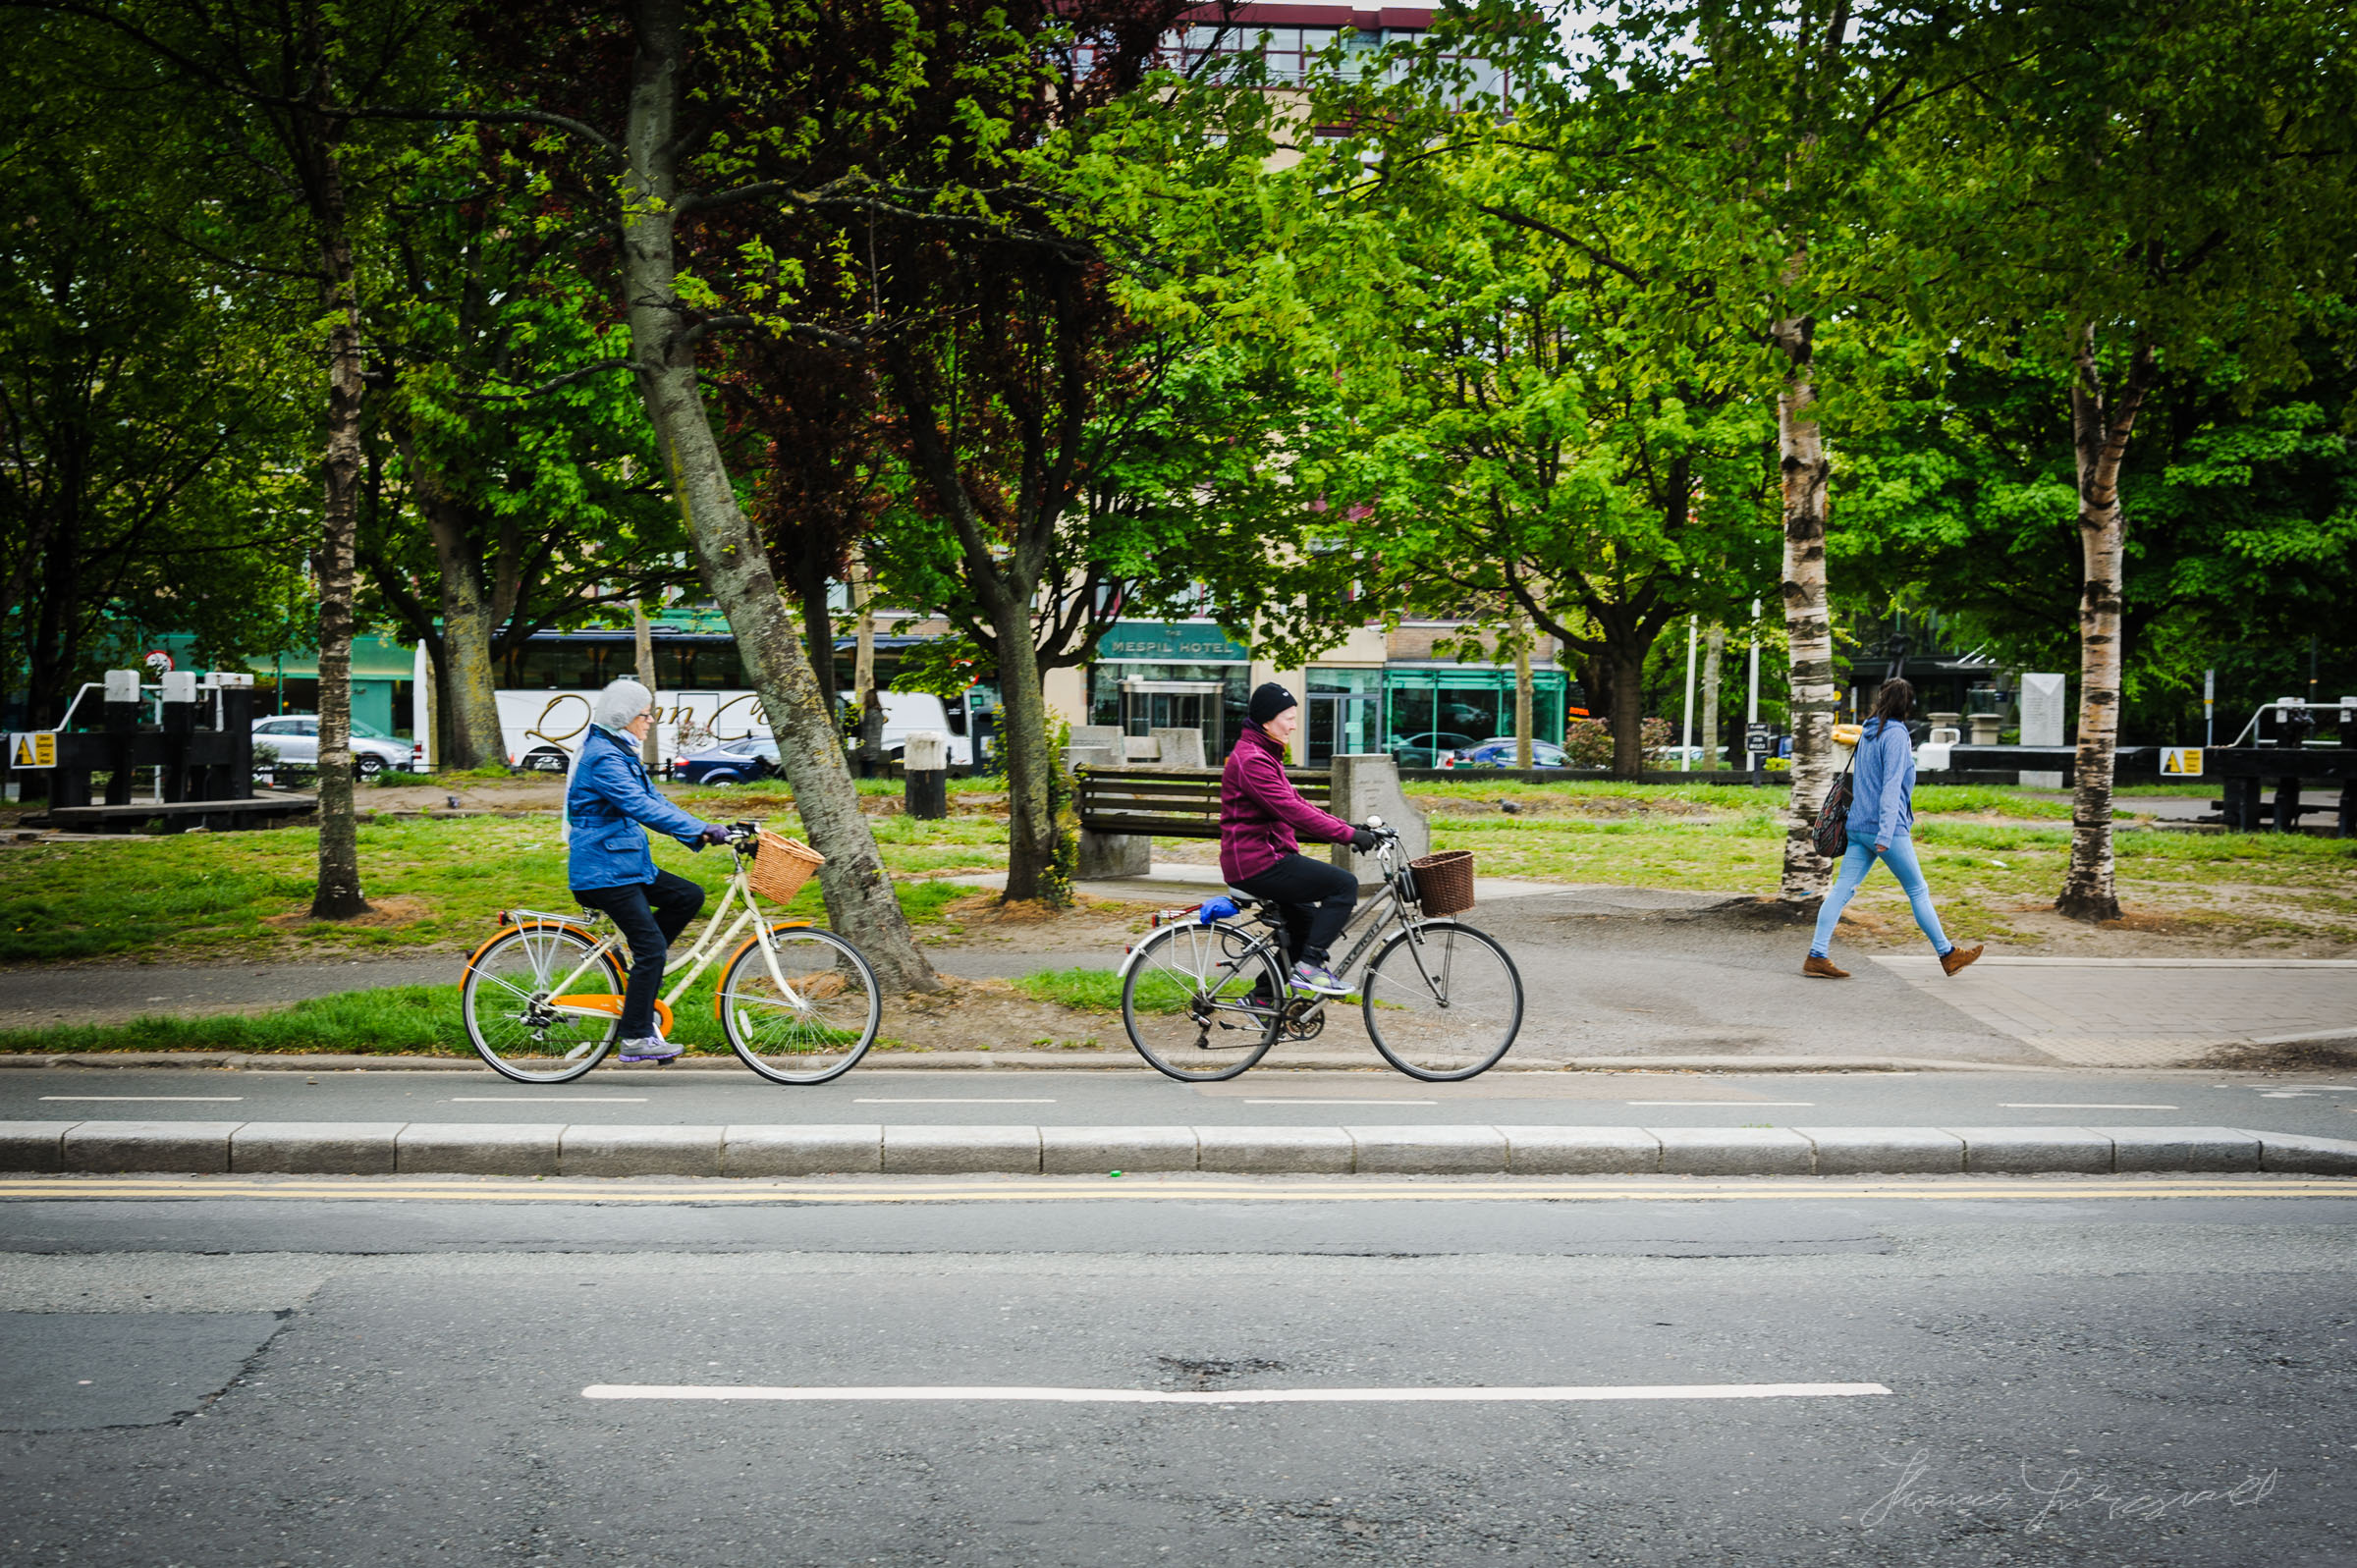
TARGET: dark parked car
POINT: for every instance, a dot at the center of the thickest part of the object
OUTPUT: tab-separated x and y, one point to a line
1495	753
729	762
1427	749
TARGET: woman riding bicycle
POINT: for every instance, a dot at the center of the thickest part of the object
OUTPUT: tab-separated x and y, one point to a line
610	866
1260	815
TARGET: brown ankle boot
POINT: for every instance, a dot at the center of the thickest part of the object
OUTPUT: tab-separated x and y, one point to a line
1957	959
1822	969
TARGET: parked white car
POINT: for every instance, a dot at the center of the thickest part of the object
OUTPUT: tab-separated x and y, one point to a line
295	736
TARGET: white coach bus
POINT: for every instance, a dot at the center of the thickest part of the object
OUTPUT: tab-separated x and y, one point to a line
702	699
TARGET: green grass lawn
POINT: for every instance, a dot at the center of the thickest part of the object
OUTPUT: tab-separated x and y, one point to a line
194	898
440	882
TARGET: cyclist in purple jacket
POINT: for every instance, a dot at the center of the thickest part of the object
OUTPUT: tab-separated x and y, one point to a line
1261	821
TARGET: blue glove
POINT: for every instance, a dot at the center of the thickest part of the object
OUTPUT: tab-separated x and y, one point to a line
714	833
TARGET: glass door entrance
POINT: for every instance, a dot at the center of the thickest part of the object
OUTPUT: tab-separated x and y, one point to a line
1151	705
1340	721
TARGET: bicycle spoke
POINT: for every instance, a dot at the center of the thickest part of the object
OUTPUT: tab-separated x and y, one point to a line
1443	1002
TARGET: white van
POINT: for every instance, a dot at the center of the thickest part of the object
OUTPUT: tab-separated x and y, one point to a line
906	712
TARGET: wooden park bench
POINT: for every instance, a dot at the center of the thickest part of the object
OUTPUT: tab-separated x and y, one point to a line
1124	810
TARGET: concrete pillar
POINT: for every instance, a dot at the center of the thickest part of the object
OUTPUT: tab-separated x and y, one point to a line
1180	749
1367	784
925	775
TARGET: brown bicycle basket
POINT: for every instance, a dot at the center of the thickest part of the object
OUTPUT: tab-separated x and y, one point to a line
1445	882
781	866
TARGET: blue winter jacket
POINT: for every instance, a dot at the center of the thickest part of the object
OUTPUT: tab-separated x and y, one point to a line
1882	783
610	795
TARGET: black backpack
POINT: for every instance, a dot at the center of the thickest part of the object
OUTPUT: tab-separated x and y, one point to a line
1831	834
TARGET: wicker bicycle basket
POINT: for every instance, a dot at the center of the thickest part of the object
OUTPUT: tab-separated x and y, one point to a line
1445	882
781	866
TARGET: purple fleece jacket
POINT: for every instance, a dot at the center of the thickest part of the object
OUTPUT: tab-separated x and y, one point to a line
1260	810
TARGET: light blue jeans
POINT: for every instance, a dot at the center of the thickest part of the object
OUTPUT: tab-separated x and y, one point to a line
1900	858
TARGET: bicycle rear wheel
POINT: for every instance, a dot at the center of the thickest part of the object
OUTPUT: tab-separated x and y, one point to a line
1442	1001
815	1029
1187	1001
504	1001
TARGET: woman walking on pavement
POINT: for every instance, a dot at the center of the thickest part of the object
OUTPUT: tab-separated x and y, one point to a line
1882	808
1260	813
609	864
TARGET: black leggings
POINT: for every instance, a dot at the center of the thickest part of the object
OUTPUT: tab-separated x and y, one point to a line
651	914
1313	899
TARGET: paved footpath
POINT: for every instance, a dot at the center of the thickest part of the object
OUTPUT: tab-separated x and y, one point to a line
1611	974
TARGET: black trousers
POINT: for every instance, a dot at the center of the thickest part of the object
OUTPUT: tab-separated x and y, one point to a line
651	914
1313	899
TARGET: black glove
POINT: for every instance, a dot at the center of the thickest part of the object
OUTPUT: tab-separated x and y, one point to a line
714	833
1363	839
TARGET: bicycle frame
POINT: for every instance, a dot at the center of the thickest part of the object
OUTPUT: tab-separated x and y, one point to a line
716	939
1393	906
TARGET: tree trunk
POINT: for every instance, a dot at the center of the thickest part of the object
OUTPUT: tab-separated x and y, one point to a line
338	897
1030	819
642	644
860	902
1628	709
1807	622
2100	440
1522	695
469	689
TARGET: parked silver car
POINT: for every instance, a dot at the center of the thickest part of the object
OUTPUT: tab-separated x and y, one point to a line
295	736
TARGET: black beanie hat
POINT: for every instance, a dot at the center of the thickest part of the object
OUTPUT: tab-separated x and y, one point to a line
1271	700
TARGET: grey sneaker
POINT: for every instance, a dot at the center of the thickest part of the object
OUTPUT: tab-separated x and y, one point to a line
652	1048
1318	980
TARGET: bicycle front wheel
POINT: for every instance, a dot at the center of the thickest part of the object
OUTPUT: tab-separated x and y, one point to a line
1202	1003
505	1001
1442	1001
814	1027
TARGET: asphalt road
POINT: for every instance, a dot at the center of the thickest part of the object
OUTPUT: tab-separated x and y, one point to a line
2316	1105
1989	1372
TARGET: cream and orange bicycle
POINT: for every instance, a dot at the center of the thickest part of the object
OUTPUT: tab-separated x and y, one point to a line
799	1004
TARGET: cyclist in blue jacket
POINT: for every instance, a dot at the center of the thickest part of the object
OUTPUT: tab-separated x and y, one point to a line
610	865
1882	808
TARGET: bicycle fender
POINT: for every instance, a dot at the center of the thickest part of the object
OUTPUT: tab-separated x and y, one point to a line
774	925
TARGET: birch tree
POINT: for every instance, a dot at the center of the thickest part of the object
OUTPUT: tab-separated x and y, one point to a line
2147	186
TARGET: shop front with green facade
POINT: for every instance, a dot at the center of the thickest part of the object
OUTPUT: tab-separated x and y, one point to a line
1475	702
383	680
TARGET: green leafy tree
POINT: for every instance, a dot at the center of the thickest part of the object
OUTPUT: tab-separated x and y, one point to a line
2147	188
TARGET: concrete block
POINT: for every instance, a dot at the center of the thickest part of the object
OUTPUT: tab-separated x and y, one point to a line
2180	1148
1581	1151
961	1151
1105	856
2034	1151
478	1148
2292	1155
316	1148
1275	1151
639	1151
821	1149
181	1147
1430	1151
1734	1152
1093	1151
33	1145
1886	1151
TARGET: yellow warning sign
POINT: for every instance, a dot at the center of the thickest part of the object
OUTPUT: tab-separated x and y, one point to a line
34	748
2185	761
